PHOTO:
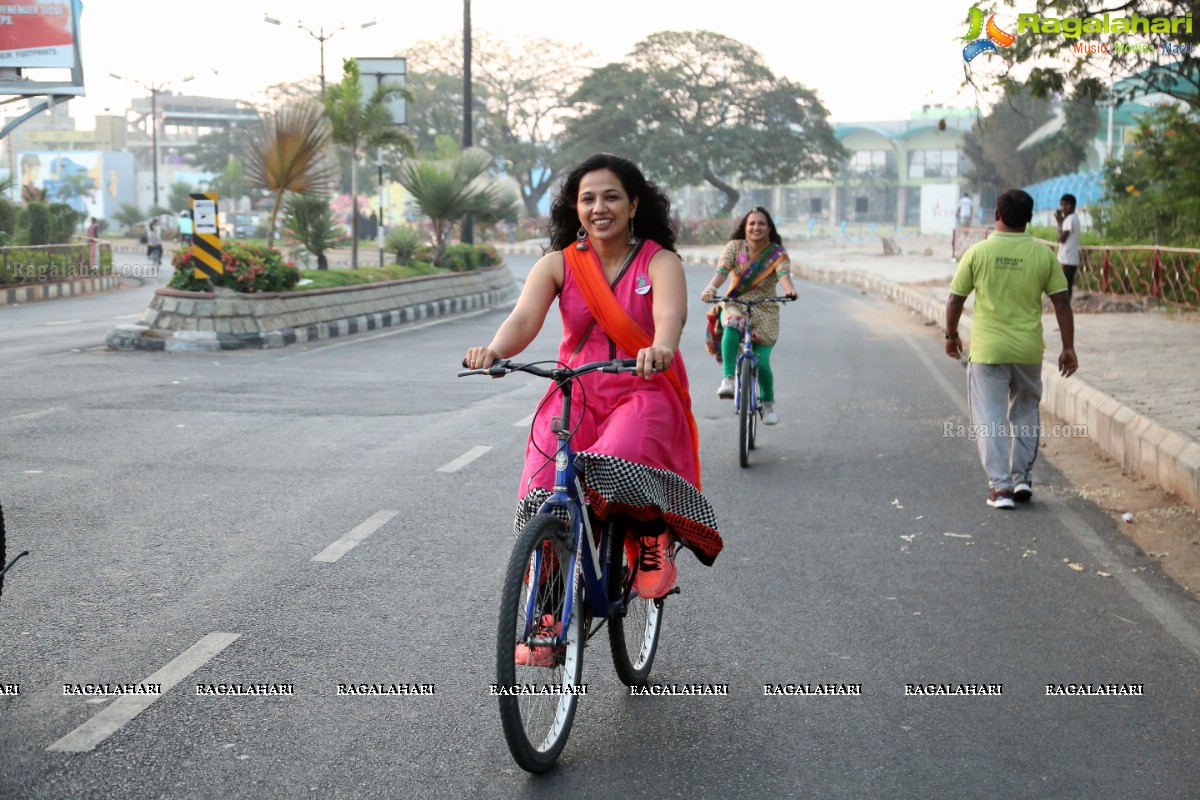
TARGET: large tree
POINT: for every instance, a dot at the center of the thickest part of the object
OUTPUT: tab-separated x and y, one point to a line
362	124
1049	61
992	145
695	107
520	89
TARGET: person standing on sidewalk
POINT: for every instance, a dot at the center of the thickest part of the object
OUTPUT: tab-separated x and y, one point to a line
1069	232
1009	272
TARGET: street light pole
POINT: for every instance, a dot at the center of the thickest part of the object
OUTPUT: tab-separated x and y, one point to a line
321	38
154	138
153	89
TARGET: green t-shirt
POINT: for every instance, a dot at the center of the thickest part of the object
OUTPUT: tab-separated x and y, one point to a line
1008	273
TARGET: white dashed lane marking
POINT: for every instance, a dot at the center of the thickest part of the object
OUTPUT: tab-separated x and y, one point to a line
345	544
91	733
465	458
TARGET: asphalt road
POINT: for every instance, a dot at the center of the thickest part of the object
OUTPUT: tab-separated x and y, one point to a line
175	502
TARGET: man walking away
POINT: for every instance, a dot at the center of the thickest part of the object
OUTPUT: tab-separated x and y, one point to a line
964	211
1069	231
1009	272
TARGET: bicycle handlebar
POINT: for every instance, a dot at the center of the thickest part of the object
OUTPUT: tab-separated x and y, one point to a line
739	301
504	366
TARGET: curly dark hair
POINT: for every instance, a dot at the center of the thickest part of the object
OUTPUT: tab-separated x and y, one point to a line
740	231
653	219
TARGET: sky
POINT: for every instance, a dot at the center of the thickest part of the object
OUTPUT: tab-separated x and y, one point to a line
871	60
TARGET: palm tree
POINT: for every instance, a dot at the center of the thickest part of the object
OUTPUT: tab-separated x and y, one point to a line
288	151
361	126
447	190
309	220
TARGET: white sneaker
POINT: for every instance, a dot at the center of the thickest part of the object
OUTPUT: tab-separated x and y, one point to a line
769	415
725	390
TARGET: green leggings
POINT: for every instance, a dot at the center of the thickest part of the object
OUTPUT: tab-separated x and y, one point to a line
731	345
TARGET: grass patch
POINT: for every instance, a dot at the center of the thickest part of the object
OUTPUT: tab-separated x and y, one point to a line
329	278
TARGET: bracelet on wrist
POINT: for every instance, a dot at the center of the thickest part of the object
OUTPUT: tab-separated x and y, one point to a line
951	335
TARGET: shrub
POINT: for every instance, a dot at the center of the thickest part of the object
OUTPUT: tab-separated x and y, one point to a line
63	221
488	255
404	243
704	231
38	215
8	222
460	258
247	269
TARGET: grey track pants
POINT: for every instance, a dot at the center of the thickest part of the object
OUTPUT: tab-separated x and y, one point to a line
1004	402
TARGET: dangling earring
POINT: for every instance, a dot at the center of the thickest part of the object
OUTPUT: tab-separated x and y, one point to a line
581	239
632	238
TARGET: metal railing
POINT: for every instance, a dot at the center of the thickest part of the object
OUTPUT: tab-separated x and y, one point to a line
26	264
1168	274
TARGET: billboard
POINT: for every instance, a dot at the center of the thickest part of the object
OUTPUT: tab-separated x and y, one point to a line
38	34
94	183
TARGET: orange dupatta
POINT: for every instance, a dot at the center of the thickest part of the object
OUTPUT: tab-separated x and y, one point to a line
621	328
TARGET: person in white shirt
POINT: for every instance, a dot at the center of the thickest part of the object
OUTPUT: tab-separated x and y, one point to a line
964	210
1069	231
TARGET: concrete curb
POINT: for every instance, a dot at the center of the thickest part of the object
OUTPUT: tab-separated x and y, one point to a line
1167	458
53	290
202	321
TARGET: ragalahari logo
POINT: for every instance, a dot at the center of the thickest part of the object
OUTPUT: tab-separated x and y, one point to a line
995	36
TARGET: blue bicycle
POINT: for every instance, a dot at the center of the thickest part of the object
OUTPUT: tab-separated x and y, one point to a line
562	575
746	401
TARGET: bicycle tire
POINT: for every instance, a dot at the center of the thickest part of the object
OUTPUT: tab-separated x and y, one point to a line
638	629
754	414
536	726
2	552
745	411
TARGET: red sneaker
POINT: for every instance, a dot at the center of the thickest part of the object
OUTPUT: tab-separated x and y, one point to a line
655	574
541	655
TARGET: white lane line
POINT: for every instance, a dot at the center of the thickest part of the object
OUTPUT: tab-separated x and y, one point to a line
524	423
343	545
466	458
128	316
63	322
91	733
36	414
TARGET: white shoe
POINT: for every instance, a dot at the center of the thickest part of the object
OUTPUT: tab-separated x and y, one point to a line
725	390
769	415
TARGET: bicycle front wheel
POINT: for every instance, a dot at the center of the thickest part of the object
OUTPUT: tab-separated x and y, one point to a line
633	636
538	675
2	561
745	411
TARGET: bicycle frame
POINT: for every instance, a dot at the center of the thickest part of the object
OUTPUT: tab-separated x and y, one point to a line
747	354
587	554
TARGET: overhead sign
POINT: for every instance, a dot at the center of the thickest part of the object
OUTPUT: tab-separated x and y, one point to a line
389	72
36	34
206	241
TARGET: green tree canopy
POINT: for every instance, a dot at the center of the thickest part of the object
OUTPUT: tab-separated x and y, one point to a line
992	145
1049	64
696	106
1153	192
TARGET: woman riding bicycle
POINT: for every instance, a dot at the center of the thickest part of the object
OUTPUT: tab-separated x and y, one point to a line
756	259
622	295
